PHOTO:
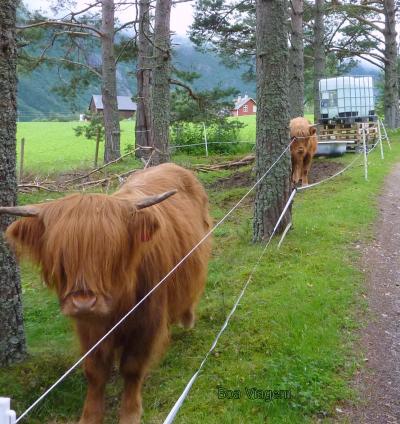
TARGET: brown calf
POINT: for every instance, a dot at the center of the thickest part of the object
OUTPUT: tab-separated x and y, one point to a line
303	148
103	253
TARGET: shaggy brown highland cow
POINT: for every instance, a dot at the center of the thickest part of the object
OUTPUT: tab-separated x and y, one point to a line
303	148
103	253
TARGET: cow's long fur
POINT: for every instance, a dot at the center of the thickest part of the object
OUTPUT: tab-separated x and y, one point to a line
102	245
303	148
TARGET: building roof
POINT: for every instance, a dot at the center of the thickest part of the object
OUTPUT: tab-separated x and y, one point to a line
241	101
125	103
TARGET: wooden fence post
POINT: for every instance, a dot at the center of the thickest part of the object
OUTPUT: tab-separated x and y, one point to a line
21	159
96	155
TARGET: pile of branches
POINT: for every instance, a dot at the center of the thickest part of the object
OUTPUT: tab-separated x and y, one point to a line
247	160
81	181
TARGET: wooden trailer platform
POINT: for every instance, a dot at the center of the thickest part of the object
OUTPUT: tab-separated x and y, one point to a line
351	133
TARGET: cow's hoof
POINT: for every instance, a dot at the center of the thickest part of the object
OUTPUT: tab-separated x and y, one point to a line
188	319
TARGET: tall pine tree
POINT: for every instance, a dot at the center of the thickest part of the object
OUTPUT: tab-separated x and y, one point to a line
272	116
12	336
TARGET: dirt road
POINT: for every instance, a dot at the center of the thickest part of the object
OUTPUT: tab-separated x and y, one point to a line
379	382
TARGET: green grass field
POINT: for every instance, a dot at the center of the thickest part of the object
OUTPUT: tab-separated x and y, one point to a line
53	147
294	329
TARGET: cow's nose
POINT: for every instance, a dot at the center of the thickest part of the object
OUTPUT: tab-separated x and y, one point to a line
84	303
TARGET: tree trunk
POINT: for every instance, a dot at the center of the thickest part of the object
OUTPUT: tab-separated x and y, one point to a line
391	95
272	116
12	335
296	61
143	136
109	84
161	77
319	54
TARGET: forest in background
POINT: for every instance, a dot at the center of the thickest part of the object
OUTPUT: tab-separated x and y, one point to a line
37	99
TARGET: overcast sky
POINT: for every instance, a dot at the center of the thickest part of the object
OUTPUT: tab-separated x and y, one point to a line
181	17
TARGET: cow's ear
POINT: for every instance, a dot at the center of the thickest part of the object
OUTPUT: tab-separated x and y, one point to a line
26	237
313	130
146	224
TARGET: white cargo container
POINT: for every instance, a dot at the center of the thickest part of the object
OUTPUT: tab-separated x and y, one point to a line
347	99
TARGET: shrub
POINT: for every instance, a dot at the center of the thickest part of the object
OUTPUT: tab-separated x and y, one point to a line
222	137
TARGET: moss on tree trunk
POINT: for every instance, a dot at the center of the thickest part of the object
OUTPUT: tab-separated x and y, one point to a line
144	131
109	84
272	116
161	80
319	54
391	98
12	336
296	60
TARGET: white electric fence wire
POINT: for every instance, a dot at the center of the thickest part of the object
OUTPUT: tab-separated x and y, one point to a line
69	371
178	146
356	159
172	414
373	147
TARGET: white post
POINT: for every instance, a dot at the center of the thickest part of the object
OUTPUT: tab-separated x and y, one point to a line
284	234
380	140
205	138
365	155
6	415
386	136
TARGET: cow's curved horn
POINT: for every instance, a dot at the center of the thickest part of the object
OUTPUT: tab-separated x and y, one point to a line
153	200
313	125
26	211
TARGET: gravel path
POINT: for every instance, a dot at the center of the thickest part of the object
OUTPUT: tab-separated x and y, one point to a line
379	382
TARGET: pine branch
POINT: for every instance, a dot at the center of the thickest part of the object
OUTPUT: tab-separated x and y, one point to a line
125	25
186	87
61	24
73	63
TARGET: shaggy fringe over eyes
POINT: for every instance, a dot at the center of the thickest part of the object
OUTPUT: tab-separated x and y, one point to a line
299	127
83	242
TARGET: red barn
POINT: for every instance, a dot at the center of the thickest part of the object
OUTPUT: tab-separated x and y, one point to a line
244	106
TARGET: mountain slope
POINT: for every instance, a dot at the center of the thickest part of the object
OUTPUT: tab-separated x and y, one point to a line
37	101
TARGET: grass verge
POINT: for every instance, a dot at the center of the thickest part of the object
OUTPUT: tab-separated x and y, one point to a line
294	329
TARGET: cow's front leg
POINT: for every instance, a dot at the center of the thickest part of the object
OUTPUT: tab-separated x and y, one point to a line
296	170
306	169
147	344
133	370
97	367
